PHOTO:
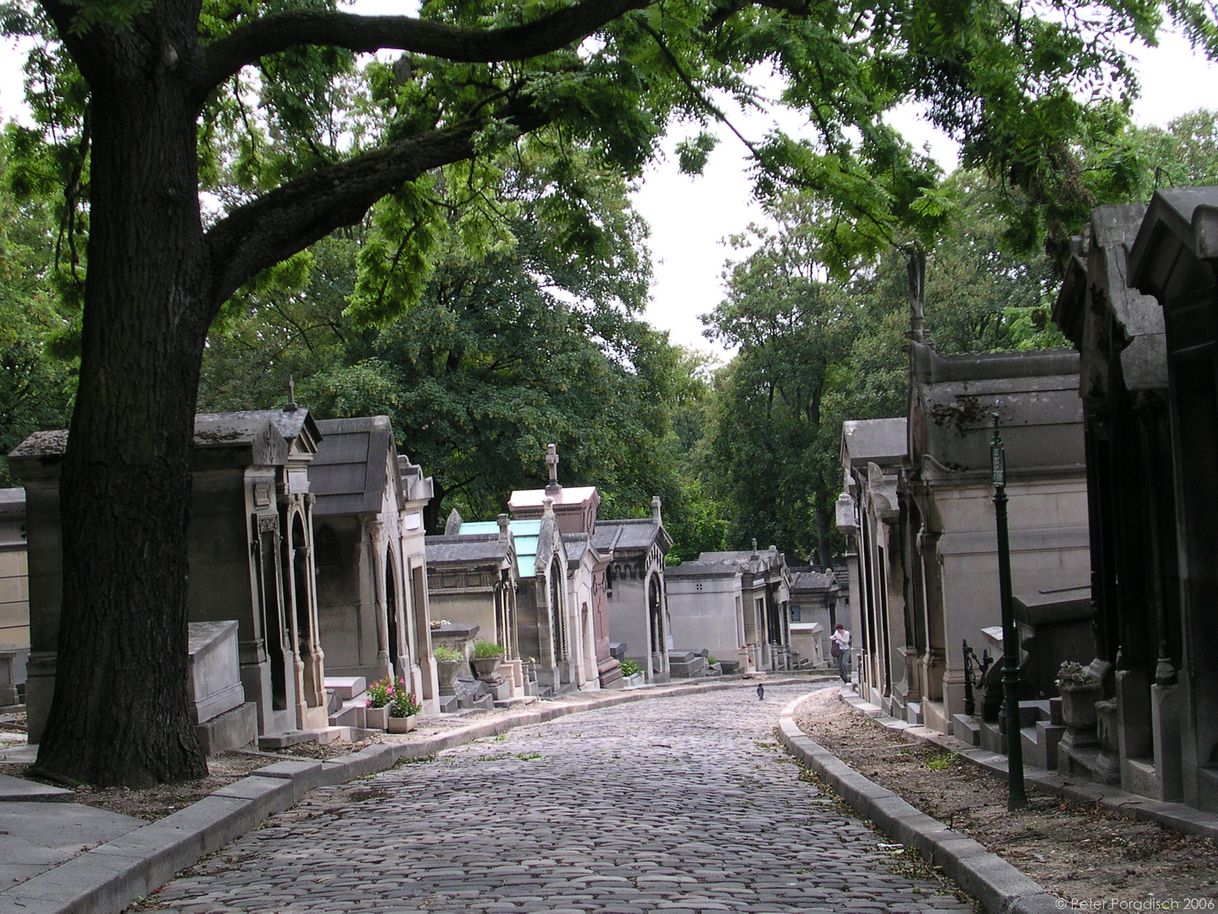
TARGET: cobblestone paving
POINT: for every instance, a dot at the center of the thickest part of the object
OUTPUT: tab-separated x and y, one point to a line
675	805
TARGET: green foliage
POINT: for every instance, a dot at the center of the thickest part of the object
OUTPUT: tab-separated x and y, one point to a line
486	649
630	668
445	653
38	381
402	701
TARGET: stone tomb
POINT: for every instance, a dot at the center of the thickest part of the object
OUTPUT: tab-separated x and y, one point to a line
14	597
736	606
223	719
373	615
250	550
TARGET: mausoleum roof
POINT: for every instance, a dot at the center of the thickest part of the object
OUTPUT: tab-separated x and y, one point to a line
534	498
12	501
1177	242
874	441
1034	393
355	463
813	581
525	533
630	535
465	550
267	433
1103	315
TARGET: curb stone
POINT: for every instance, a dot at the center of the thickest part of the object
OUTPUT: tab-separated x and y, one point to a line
107	878
999	887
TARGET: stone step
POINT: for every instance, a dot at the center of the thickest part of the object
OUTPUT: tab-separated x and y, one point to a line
287	738
447	704
346	687
481	703
351	714
517	702
966	727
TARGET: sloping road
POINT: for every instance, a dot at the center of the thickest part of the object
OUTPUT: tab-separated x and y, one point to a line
676	805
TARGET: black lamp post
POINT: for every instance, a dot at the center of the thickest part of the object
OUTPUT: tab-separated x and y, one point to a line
1017	798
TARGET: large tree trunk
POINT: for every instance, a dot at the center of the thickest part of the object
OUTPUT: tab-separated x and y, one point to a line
119	712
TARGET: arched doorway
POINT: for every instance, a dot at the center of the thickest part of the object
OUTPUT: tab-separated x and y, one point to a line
394	646
558	634
655	626
272	618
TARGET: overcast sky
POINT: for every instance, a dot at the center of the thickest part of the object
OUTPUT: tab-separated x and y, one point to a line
691	217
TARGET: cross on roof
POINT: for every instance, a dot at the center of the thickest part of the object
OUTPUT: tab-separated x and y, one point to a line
552	466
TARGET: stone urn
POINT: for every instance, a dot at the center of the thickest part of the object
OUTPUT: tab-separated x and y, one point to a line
376	718
403	724
486	668
448	672
1078	710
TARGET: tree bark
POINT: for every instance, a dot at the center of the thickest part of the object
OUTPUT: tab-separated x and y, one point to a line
119	711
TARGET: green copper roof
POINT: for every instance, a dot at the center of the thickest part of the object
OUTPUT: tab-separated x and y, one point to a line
524	535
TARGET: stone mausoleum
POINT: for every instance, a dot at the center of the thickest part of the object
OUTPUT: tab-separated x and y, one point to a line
250	550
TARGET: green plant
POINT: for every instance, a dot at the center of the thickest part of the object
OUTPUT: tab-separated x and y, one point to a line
379	693
940	761
444	652
402	701
630	668
485	649
1073	673
710	660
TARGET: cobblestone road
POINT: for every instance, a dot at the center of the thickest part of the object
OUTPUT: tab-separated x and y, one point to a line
674	804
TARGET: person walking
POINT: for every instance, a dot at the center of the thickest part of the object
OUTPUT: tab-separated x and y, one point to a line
761	691
839	649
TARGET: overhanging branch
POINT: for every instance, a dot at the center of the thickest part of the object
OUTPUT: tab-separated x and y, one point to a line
295	215
278	32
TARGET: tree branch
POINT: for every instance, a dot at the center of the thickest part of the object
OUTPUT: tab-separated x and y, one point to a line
278	32
293	216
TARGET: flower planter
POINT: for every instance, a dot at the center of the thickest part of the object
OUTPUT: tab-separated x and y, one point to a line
1078	705
376	718
448	672
403	724
486	667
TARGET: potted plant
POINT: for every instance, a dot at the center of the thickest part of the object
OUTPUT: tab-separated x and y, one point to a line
403	708
1080	690
632	673
487	655
376	709
450	664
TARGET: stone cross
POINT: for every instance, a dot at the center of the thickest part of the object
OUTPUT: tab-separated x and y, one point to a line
552	466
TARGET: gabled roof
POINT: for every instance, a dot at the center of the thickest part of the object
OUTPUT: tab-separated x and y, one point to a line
533	498
355	465
270	435
466	550
1178	242
630	535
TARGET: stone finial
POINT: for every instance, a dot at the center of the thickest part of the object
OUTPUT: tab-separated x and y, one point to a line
453	526
503	527
754	547
291	407
552	467
656	504
547	507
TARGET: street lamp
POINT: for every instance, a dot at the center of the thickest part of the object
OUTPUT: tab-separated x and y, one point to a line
1017	798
